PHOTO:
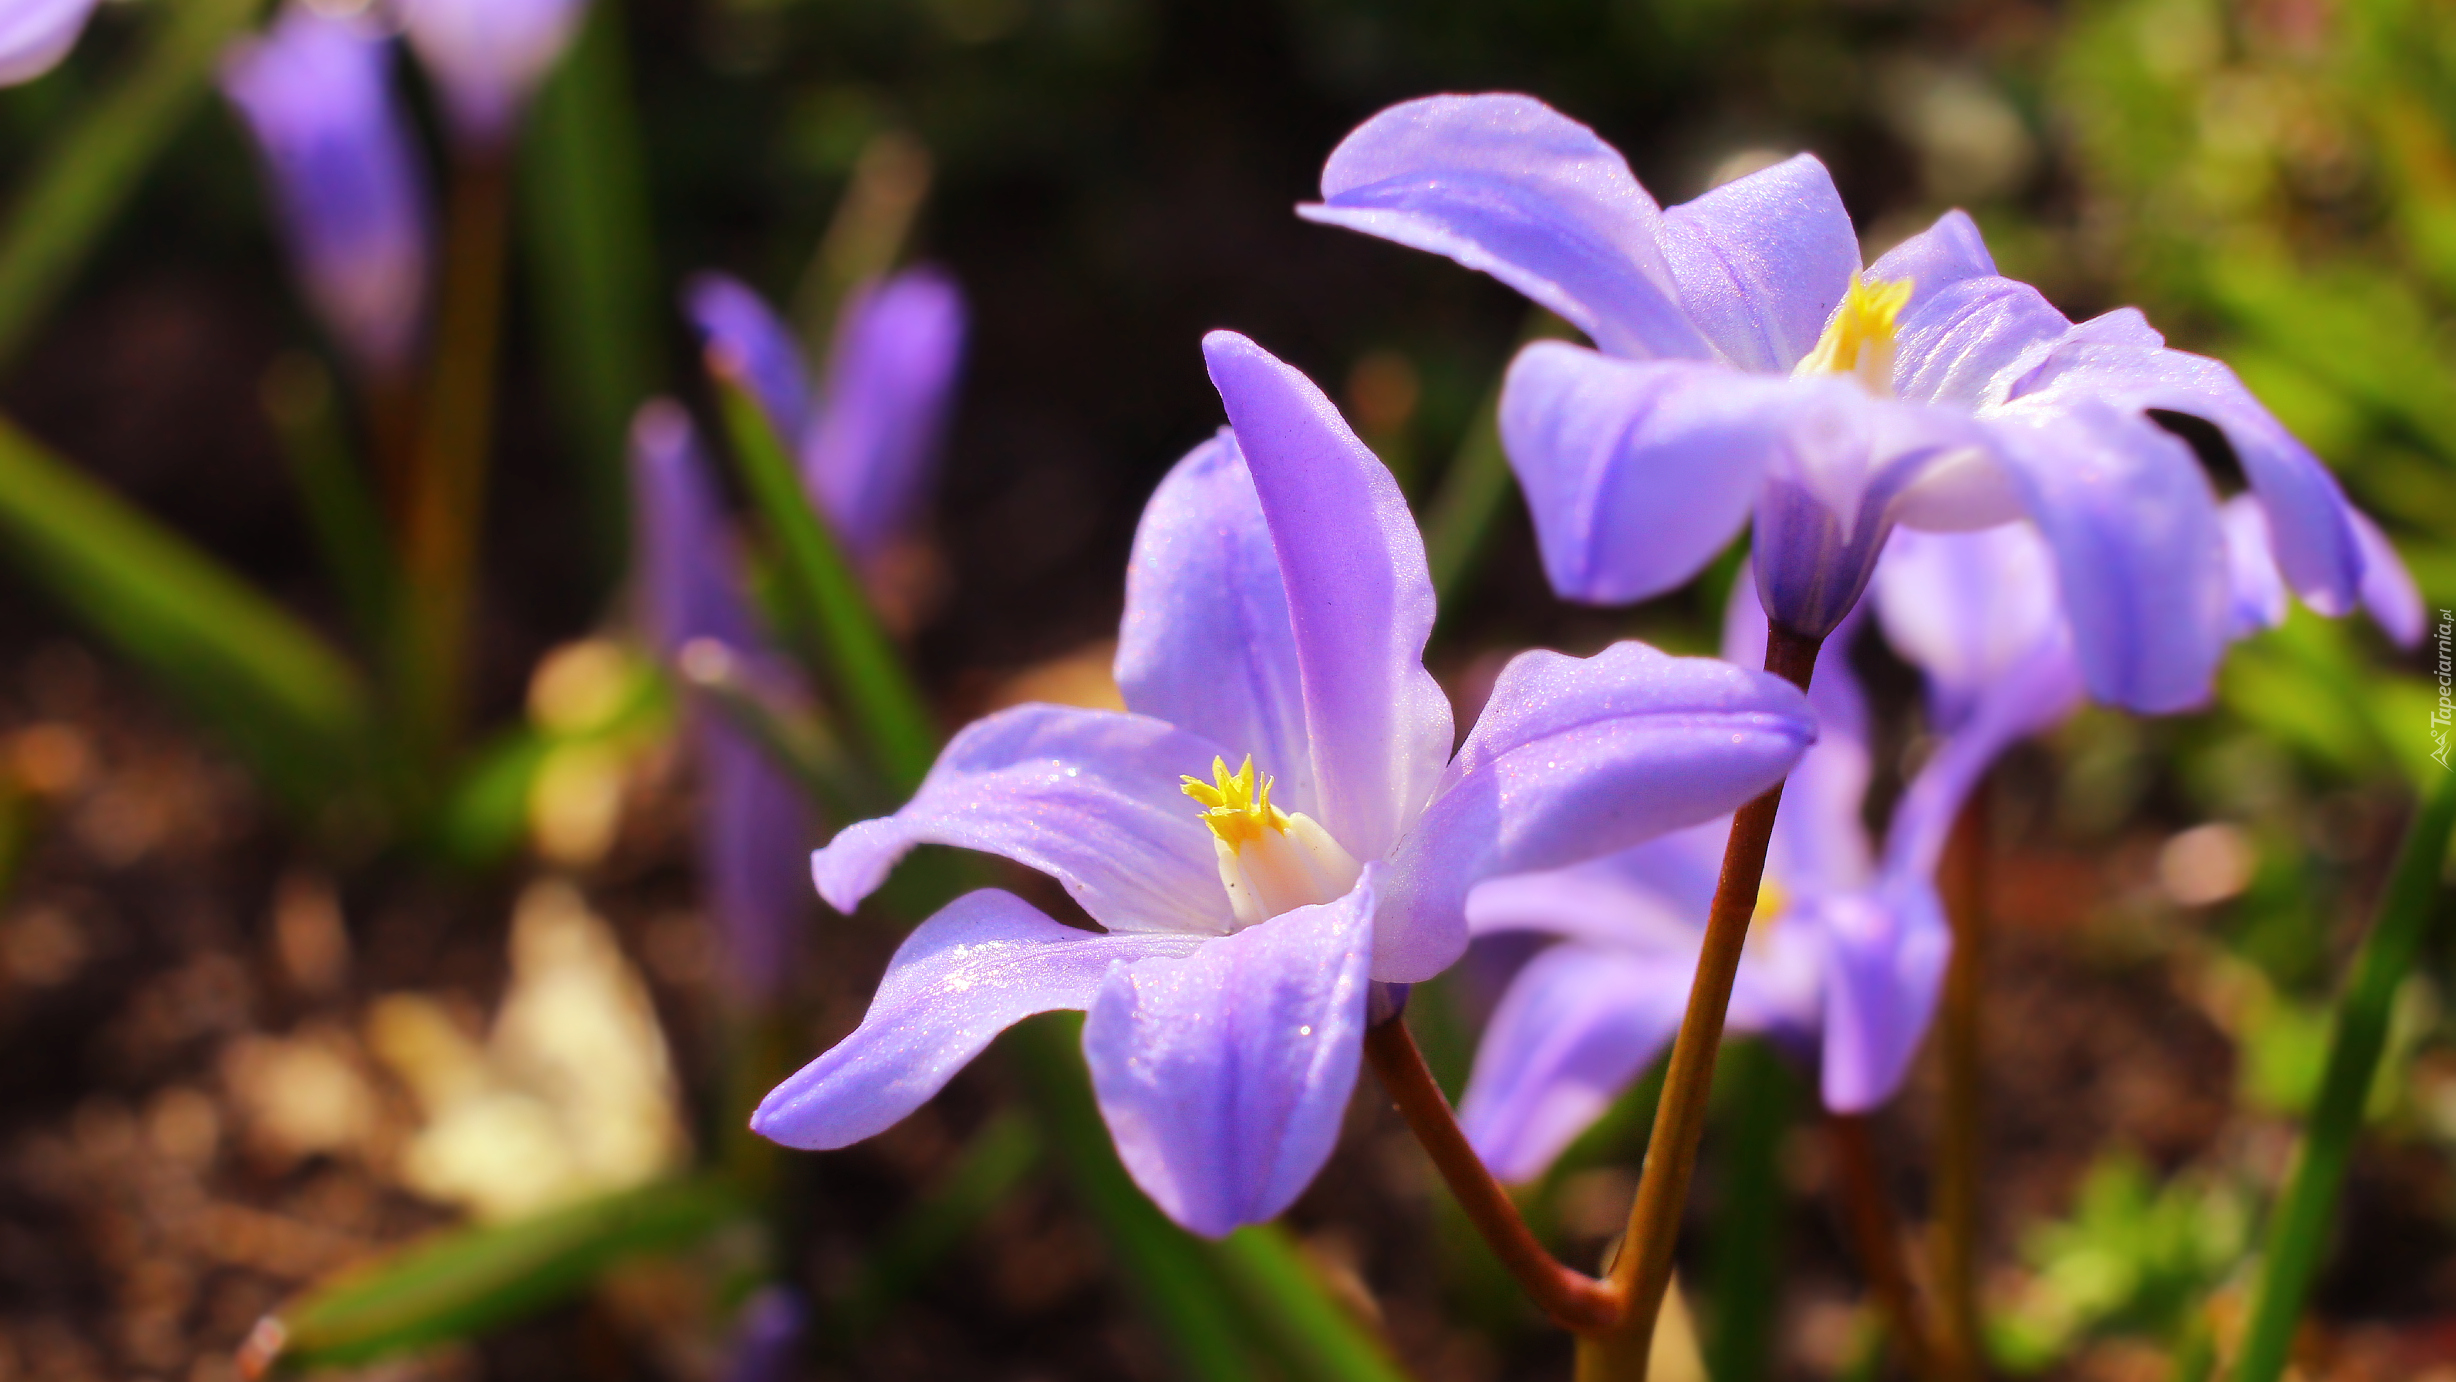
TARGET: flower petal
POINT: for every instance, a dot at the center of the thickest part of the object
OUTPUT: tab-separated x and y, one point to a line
1761	262
1359	596
1577	1026
1224	1073
2251	571
1578	758
1636	473
2119	361
1965	608
2029	694
889	377
2388	589
1509	186
1207	643
2139	556
1649	897
1884	966
1936	258
754	835
985	962
687	588
1090	797
730	317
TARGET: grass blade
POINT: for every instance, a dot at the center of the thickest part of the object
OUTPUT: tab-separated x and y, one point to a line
585	210
87	174
2298	1232
1311	1333
464	1282
278	691
826	597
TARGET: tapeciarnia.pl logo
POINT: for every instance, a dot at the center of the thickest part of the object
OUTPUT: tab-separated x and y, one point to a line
2445	713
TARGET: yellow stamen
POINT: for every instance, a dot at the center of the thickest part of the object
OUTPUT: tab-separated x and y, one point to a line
1858	338
1237	808
1772	901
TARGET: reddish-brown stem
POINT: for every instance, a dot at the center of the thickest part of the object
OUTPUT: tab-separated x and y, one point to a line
1574	1300
1963	883
1642	1272
1877	1238
447	473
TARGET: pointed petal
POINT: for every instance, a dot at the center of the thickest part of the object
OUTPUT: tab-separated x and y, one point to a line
732	318
1578	758
1223	1073
1637	474
1885	958
1089	797
2388	590
890	377
1762	261
1576	1028
1207	643
1936	258
1509	186
984	963
36	34
2116	360
1359	596
2139	556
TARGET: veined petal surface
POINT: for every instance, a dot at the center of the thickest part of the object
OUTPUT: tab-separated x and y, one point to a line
1207	643
1577	758
1637	473
2139	556
1360	598
1509	186
1761	261
983	963
1223	1073
1090	797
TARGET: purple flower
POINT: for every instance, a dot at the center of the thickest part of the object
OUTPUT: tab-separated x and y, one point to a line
36	34
767	1337
317	90
866	438
753	825
1747	366
1848	951
488	55
1277	607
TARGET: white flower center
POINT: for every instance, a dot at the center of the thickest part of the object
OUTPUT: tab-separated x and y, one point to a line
1270	861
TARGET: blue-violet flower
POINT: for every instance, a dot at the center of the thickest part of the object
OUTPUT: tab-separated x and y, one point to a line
1271	658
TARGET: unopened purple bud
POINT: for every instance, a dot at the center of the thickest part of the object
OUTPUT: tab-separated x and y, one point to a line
317	91
488	55
731	317
754	853
686	587
36	34
867	458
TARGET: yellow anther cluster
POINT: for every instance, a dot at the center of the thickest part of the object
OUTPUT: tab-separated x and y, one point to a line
1772	901
1860	334
1236	808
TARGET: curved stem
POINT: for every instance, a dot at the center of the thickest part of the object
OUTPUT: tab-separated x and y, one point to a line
1642	1272
1958	1143
1877	1239
1574	1300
